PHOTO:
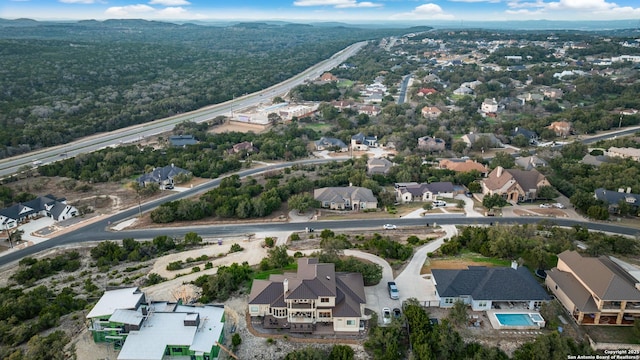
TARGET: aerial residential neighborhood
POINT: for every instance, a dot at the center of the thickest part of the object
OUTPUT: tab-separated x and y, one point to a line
321	190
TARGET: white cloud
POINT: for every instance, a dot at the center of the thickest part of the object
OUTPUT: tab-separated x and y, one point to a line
340	4
429	11
148	12
584	9
169	2
129	10
170	12
476	1
77	1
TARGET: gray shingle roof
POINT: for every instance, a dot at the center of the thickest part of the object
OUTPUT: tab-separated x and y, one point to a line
484	283
161	174
614	197
42	203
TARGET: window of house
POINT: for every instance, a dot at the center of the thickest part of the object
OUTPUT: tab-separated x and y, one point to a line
324	314
253	309
324	300
448	301
351	322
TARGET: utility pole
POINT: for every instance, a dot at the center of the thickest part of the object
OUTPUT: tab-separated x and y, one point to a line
620	122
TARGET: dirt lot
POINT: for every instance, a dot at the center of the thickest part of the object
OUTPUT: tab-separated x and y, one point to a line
238	127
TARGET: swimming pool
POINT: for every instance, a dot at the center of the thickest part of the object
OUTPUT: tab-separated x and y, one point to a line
516	320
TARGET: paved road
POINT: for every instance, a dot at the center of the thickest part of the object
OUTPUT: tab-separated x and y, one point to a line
136	133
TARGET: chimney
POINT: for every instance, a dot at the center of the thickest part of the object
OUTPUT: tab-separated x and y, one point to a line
499	170
514	265
172	165
620	190
285	284
628	189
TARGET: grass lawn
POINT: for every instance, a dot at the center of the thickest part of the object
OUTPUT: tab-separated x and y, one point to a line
264	275
612	334
318	127
343	83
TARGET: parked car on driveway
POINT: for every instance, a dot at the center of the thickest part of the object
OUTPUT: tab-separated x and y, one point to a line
559	206
396	313
389	227
439	203
545	206
386	316
393	290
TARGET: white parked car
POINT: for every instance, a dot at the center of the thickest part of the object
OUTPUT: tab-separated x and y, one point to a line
559	206
389	227
545	206
386	316
438	203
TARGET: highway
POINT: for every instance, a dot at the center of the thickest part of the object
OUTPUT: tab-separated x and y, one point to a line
138	132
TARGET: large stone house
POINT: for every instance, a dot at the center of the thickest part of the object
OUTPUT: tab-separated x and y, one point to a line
378	166
560	128
315	299
513	184
346	198
596	291
47	205
471	139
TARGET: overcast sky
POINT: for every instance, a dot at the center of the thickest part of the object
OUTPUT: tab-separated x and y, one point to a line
323	10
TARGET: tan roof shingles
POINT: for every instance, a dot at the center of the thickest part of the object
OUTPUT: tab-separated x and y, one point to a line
526	179
569	285
601	276
463	166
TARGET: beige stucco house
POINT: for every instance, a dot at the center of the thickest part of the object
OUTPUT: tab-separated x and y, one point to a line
596	291
513	184
316	299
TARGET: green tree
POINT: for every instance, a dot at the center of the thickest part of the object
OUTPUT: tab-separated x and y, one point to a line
302	202
341	352
236	340
492	201
547	192
503	159
278	257
458	315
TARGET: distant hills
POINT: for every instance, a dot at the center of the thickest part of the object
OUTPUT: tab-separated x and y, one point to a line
631	24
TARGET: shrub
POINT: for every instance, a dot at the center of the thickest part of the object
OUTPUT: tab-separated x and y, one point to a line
295	237
269	242
235	248
195	269
413	240
176	265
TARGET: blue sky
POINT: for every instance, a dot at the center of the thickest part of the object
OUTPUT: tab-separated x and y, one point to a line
323	10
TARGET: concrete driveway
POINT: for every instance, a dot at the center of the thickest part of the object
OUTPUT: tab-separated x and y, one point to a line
413	285
377	295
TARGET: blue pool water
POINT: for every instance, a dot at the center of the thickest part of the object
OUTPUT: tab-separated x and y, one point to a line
514	319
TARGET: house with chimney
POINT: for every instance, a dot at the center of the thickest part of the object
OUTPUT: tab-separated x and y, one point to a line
472	138
315	299
614	198
596	290
514	185
489	106
484	288
244	147
426	92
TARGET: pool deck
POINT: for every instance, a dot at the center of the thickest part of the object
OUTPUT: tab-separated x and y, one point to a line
496	325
